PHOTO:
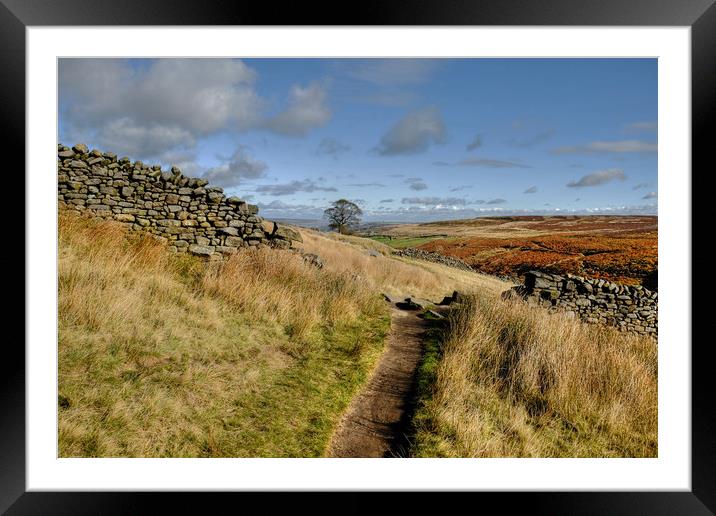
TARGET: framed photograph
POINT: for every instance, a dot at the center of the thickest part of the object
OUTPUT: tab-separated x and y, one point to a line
410	251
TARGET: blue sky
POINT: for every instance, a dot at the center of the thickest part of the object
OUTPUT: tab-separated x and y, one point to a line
407	139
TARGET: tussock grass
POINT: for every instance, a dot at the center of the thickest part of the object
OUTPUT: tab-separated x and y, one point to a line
517	381
163	355
393	275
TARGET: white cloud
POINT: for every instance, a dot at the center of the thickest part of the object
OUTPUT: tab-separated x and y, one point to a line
416	183
481	163
332	147
155	105
435	201
642	126
530	190
145	108
414	133
280	209
292	187
475	143
650	195
620	146
238	168
367	185
536	139
392	72
598	178
122	135
307	110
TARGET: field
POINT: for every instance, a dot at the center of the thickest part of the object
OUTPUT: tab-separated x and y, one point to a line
502	379
617	248
163	355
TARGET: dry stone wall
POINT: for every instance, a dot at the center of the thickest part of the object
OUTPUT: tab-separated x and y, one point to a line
630	308
411	252
188	213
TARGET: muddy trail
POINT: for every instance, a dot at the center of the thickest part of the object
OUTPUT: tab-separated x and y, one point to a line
377	419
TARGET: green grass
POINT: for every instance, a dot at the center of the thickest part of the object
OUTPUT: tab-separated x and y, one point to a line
164	356
504	379
424	438
294	414
403	242
213	403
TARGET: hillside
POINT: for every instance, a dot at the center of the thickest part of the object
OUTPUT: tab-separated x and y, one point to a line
617	248
167	355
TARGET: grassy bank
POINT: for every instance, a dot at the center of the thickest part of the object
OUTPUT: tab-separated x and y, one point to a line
167	356
382	272
401	242
507	380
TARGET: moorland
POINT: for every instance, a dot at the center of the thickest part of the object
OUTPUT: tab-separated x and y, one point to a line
617	248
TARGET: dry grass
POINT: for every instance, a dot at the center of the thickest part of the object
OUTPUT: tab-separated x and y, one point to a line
524	226
515	381
393	275
166	355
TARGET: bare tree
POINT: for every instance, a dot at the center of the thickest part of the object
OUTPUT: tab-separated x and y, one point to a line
343	215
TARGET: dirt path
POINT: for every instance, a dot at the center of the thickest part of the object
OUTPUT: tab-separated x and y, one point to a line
374	424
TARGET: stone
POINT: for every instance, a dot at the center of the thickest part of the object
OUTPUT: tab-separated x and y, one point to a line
201	250
78	164
596	301
389	298
124	217
127	191
408	304
549	294
313	259
268	226
433	257
229	231
80	148
234	241
287	233
66	154
419	302
447	300
280	244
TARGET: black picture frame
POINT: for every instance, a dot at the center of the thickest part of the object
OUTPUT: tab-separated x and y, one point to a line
17	15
